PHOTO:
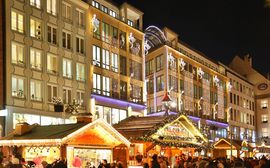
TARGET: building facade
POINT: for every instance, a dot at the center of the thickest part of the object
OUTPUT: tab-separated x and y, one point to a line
197	85
81	51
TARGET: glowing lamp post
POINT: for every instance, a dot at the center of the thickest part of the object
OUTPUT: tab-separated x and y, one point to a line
167	103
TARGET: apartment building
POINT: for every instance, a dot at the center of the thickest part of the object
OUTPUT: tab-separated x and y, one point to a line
196	84
241	107
261	92
87	51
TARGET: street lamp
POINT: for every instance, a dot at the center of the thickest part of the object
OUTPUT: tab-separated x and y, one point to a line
167	102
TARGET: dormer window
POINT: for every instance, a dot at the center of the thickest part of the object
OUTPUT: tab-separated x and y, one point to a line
130	23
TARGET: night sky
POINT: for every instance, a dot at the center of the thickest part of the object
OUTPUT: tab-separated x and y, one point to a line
220	29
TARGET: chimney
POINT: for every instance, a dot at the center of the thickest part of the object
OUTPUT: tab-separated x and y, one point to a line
248	60
22	128
84	118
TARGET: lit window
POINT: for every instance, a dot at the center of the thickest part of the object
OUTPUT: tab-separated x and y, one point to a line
35	90
66	40
136	94
51	34
264	118
159	63
35	3
51	7
96	56
80	72
80	98
160	83
17	51
80	45
51	121
52	92
96	83
104	9
18	87
35	59
106	86
67	68
111	115
80	17
114	62
17	22
66	11
66	96
95	4
123	90
105	32
52	64
112	13
130	23
35	29
264	132
105	59
264	104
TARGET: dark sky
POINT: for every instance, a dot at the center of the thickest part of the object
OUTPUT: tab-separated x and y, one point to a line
220	29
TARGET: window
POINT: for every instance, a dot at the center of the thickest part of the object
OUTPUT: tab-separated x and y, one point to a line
66	11
35	29
105	32
114	88
264	118
52	64
35	59
111	115
114	36
105	59
135	70
149	67
80	45
96	30
51	7
104	9
106	86
96	83
95	4
96	56
35	3
17	51
80	17
130	23
173	83
123	90
264	104
66	96
150	86
160	83
35	90
17	87
114	62
264	132
159	63
17	22
123	65
80	98
112	13
80	72
66	40
52	92
67	68
136	94
51	34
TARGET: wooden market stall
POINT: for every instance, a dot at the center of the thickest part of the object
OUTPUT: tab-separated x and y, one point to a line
90	141
163	135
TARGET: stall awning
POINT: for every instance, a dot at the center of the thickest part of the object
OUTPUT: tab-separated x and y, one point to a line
173	130
236	145
97	132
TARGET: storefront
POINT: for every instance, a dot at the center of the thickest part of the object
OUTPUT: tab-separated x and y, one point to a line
166	136
89	141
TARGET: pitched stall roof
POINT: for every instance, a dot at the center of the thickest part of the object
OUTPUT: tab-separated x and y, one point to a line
134	128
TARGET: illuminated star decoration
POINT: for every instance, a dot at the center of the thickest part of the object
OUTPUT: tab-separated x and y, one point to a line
95	22
131	40
146	47
200	73
171	59
182	64
216	80
229	86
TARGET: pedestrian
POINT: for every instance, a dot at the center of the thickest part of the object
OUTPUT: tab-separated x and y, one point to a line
154	162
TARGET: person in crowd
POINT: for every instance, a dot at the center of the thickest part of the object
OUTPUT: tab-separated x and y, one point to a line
154	162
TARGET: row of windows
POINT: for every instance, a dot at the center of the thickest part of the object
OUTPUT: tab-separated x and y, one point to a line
18	57
52	36
245	103
236	115
36	91
241	88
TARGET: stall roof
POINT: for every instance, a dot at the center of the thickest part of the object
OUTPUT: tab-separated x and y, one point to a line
60	134
135	127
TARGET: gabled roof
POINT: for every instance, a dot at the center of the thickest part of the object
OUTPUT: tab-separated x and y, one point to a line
141	128
60	134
